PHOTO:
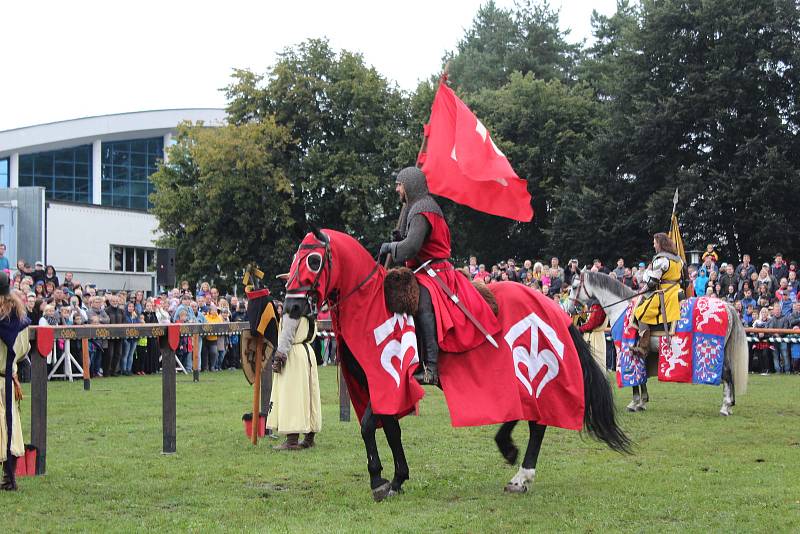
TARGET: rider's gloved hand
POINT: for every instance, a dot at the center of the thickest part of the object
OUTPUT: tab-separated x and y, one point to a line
386	248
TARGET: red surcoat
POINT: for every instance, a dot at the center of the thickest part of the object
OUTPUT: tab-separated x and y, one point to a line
456	333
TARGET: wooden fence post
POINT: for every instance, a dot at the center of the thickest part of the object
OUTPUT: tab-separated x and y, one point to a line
196	358
168	394
39	408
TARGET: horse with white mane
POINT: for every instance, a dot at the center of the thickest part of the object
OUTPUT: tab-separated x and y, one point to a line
615	298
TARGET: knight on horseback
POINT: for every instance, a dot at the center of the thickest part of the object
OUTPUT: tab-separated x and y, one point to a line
423	235
660	305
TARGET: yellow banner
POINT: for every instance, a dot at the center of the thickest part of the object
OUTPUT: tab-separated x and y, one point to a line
675	235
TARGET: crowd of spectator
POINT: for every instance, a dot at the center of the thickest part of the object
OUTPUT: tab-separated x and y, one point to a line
67	302
765	296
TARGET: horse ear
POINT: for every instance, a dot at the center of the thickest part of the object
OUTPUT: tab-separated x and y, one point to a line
319	234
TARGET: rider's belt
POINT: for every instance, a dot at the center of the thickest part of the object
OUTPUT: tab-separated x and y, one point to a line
439	265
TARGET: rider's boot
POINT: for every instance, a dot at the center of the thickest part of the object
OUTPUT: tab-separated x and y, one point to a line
642	348
427	341
427	329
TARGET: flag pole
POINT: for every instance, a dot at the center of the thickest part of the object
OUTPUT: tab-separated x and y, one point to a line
675	201
424	145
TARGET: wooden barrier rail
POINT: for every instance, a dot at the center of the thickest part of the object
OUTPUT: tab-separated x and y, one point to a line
164	333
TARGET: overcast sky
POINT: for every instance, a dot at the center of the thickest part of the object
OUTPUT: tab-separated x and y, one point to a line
63	60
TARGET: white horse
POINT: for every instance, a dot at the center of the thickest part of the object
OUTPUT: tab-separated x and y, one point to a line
615	297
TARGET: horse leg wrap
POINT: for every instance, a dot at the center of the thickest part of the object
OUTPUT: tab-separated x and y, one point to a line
522	481
643	400
726	400
632	406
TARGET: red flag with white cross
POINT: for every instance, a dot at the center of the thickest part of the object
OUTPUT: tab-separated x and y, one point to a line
462	163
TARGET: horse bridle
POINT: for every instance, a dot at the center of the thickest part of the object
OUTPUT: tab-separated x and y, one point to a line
306	291
582	286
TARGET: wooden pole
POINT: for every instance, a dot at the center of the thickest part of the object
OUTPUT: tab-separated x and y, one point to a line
196	358
257	389
168	396
87	382
39	408
344	397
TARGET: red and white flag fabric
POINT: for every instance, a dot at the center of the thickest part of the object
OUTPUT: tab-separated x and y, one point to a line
462	162
534	375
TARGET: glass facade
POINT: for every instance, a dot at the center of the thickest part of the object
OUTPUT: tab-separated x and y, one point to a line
127	166
65	174
4	173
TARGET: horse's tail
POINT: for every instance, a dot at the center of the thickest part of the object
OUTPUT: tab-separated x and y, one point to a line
737	352
599	416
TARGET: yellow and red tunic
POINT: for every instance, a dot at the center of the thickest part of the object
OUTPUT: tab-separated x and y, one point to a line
667	269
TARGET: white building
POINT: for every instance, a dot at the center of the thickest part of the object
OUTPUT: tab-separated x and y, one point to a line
74	193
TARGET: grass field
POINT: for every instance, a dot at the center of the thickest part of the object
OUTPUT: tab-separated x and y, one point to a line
693	470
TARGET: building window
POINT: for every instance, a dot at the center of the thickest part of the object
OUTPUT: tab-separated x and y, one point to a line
126	170
132	259
65	174
4	173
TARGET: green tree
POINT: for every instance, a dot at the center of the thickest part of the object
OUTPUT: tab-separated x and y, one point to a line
223	199
705	98
523	39
351	129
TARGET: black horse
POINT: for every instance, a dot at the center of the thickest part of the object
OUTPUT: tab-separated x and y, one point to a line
332	266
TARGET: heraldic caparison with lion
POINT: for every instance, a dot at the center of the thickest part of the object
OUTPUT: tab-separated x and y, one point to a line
423	236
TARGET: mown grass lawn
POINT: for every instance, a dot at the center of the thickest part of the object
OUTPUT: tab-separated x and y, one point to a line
693	470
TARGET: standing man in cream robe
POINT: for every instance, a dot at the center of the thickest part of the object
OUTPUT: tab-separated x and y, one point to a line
14	346
294	405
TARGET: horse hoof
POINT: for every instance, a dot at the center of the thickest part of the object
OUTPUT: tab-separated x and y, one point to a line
516	488
725	413
630	408
382	491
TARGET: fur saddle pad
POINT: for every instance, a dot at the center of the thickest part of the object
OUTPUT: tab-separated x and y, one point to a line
401	291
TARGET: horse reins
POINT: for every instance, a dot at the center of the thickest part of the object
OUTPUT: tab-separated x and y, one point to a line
582	287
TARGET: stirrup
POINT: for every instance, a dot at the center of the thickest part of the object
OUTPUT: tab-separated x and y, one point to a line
427	376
